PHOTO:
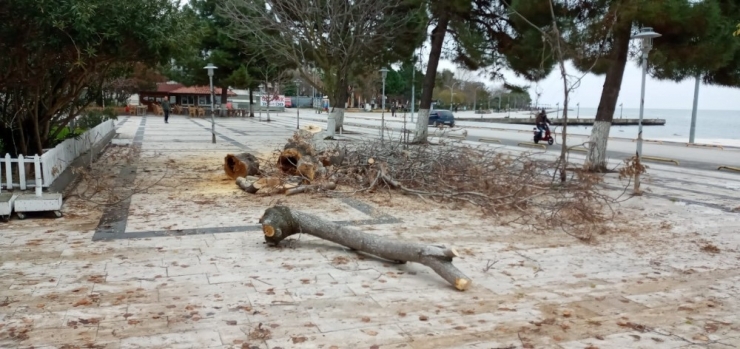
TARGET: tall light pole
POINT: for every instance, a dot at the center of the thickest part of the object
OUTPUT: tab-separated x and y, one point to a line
578	113
297	109
384	73
621	108
452	93
646	35
210	67
557	110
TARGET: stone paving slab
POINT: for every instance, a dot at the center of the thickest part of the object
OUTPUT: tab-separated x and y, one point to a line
125	277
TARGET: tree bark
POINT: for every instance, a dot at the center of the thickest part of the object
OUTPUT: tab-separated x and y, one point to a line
596	160
339	101
241	165
280	222
224	100
251	103
438	38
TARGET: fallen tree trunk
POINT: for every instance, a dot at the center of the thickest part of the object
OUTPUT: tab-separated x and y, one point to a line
280	222
241	165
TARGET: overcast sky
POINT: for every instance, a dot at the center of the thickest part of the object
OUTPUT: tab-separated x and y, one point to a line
658	94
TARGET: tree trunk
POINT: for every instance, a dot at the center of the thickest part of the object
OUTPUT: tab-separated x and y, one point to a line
339	101
438	38
224	100
280	222
596	160
241	165
251	103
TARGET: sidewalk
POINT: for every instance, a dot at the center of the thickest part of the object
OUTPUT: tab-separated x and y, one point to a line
182	264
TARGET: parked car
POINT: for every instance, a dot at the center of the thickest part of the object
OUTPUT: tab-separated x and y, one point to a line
441	117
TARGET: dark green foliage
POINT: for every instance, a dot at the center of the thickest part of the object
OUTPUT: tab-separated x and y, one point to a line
55	50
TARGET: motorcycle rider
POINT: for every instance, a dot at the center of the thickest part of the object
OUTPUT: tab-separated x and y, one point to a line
542	121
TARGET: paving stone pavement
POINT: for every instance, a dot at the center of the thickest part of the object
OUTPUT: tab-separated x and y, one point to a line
182	264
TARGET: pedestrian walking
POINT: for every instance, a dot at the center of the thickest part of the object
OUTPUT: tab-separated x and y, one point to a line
166	109
393	110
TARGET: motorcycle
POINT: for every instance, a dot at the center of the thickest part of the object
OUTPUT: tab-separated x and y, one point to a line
547	137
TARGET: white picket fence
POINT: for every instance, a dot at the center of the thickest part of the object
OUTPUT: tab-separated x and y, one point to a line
53	162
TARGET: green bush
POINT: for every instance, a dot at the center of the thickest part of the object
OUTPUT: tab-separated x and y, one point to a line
96	117
90	119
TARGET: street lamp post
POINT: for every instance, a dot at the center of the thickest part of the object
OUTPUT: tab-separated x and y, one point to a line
452	94
557	110
384	73
210	67
646	35
297	109
578	113
621	108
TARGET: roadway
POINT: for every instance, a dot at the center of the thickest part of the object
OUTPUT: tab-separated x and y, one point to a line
695	157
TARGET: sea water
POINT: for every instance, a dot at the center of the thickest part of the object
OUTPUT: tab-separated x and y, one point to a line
712	126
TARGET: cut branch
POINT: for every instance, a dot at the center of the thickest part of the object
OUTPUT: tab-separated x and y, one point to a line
280	222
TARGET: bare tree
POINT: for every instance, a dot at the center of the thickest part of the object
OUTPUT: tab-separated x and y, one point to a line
561	50
335	35
270	74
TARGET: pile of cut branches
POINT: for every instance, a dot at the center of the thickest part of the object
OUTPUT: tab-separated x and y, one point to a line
520	187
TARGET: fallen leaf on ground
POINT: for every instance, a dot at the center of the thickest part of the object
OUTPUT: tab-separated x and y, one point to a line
700	337
81	302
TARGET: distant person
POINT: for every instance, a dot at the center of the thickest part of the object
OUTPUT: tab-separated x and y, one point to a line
542	121
166	110
393	110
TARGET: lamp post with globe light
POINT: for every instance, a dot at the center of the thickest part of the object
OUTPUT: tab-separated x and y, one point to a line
210	67
646	36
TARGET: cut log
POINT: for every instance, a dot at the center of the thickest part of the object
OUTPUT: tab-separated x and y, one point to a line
333	157
305	188
267	182
288	160
280	222
246	185
241	165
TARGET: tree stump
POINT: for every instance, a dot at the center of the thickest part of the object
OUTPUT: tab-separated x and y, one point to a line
241	165
280	222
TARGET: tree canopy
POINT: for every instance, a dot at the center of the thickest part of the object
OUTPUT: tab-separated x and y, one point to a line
54	50
340	38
